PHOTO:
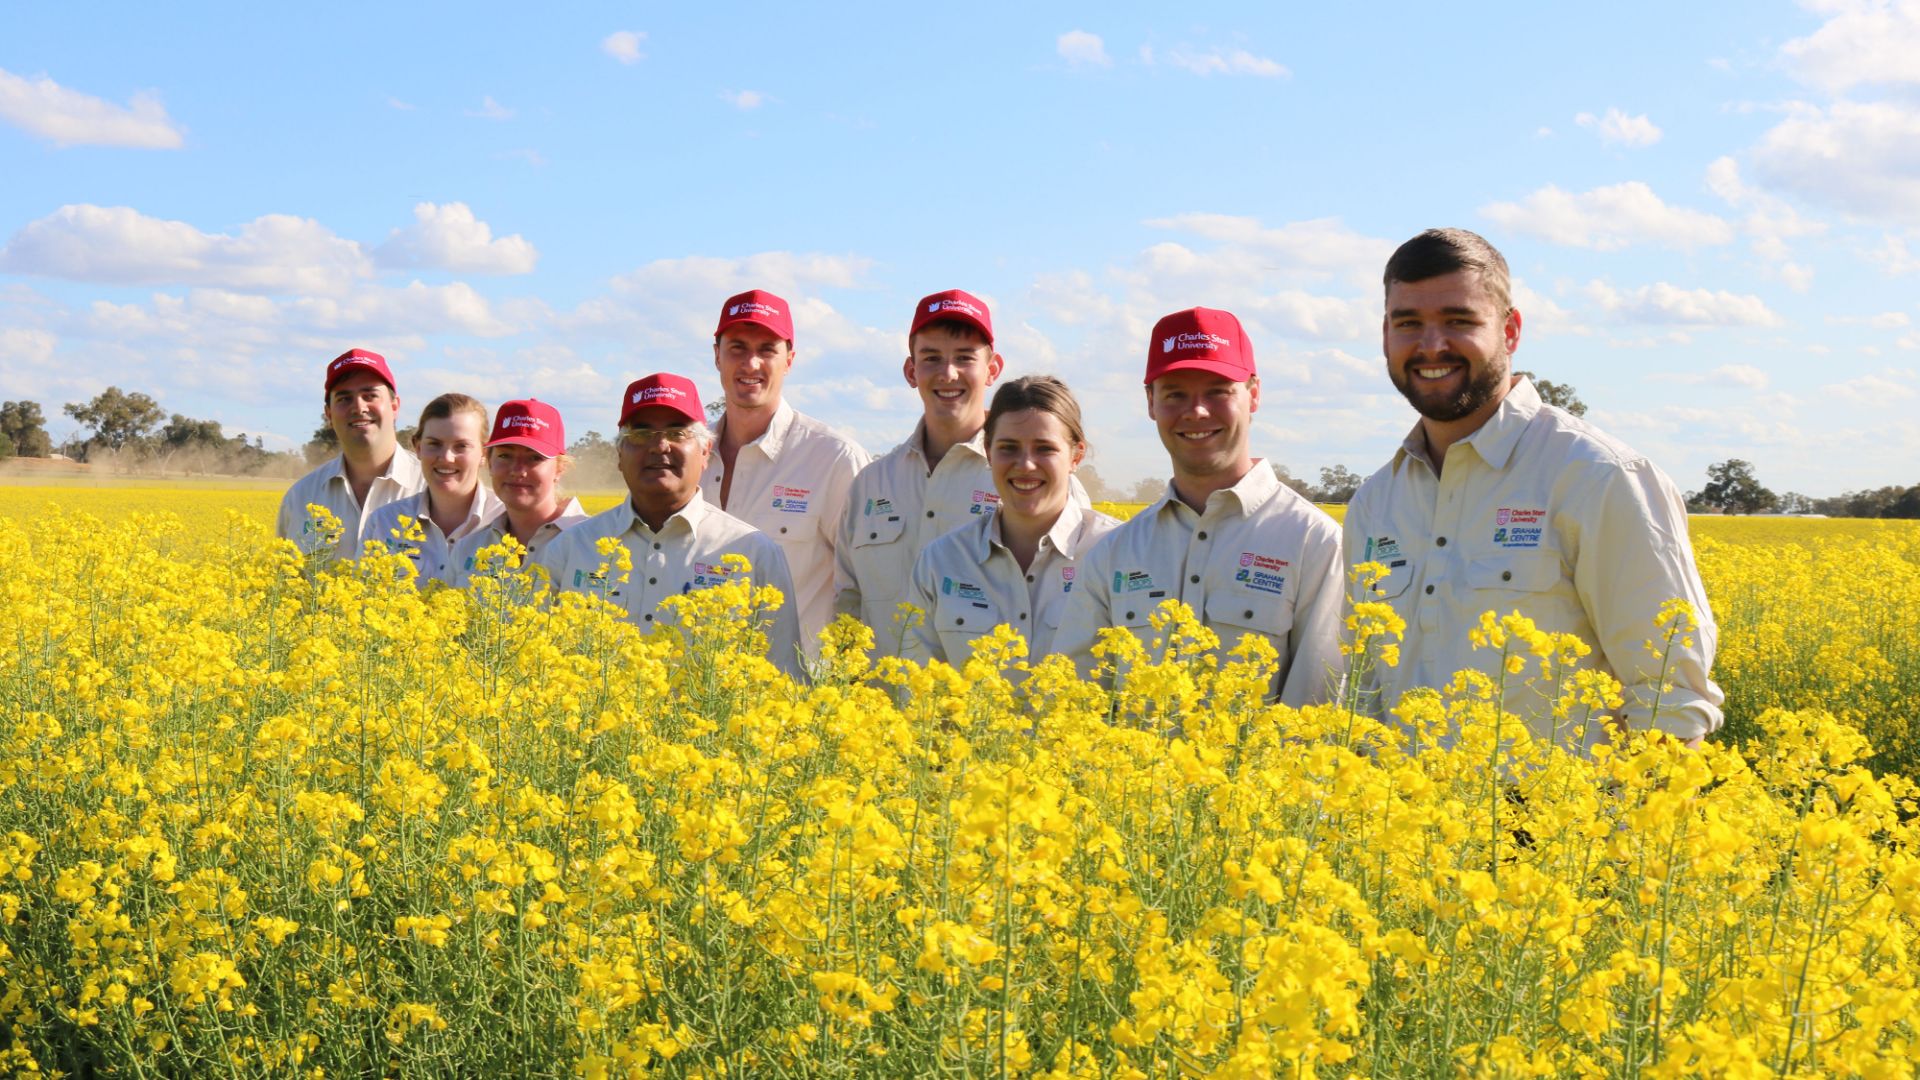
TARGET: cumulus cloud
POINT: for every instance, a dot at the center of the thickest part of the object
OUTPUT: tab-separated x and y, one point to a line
1208	62
1743	376
1663	304
1618	128
68	117
1860	157
1770	223
449	237
1865	43
117	245
1081	49
1319	244
624	46
743	99
1876	390
1609	219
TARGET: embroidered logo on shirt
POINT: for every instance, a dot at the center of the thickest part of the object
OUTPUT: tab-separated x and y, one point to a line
879	506
965	590
1131	580
1263	573
1066	579
706	575
1384	547
984	502
1516	528
790	500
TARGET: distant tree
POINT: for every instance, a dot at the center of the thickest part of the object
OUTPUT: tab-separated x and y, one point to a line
116	421
1097	488
1733	489
1553	393
1286	477
25	429
591	445
596	464
322	446
1907	505
1793	502
1147	491
1337	485
715	410
6	446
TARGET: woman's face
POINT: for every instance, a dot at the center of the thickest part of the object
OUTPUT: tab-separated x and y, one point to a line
1032	456
449	449
524	479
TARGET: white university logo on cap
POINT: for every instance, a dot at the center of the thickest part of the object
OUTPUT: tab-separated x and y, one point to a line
734	310
935	306
1166	344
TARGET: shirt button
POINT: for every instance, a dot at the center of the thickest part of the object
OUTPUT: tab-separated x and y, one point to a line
1506	575
1129	615
1195	578
1429	590
1029	577
649	618
1247	614
1442	542
652	581
783	529
873	536
960	621
1023	616
929	513
1203	534
656	547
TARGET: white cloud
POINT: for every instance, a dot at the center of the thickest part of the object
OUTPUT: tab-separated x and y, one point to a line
1220	62
1893	256
1609	219
1770	224
70	118
743	99
1875	390
1870	42
450	238
1744	376
1081	49
491	110
117	245
1663	304
1617	127
1320	244
526	154
400	106
1861	157
624	46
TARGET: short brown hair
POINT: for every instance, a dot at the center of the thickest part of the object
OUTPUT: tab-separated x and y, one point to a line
1446	251
1042	392
959	328
445	406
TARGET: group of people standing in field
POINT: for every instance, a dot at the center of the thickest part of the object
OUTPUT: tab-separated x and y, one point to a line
1494	501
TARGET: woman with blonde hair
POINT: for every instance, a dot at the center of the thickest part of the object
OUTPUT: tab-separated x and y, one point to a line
1015	566
454	503
526	457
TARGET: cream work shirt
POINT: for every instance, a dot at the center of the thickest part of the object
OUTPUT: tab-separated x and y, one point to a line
683	556
967	582
431	553
328	486
1537	512
466	550
792	483
1259	559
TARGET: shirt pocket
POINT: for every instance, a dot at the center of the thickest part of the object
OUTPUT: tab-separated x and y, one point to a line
959	622
874	532
1234	613
1515	571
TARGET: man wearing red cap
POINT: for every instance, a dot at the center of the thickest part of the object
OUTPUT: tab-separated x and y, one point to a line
935	481
526	457
1496	501
777	469
1243	550
676	539
360	404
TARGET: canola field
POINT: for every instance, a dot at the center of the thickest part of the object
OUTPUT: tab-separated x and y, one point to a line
261	818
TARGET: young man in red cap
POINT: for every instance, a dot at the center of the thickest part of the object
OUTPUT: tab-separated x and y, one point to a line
526	456
677	540
777	469
372	470
935	481
1240	548
1497	501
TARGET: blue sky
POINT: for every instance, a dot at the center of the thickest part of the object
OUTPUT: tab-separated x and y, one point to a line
1712	210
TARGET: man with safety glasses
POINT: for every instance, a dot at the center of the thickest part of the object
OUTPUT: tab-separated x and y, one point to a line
676	539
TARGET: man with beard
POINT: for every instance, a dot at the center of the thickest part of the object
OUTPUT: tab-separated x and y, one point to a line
1498	502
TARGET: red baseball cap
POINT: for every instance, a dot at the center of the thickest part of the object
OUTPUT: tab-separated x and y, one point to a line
674	392
359	360
760	307
953	304
532	424
1200	339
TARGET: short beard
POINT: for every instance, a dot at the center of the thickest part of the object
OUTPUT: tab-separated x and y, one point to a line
1471	398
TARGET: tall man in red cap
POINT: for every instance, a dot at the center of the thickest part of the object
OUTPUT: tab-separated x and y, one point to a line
675	537
1496	501
777	469
1243	550
360	404
935	481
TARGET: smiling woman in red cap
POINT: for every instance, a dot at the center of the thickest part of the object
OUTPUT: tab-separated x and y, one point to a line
455	503
676	539
525	459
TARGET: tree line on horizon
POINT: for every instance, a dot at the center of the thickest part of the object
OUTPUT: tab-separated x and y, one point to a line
131	432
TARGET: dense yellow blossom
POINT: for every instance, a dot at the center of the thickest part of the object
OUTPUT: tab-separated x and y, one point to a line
260	816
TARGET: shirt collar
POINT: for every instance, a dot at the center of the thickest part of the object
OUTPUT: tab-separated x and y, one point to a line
1494	440
498	526
688	516
916	443
1063	537
1250	493
403	469
775	437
